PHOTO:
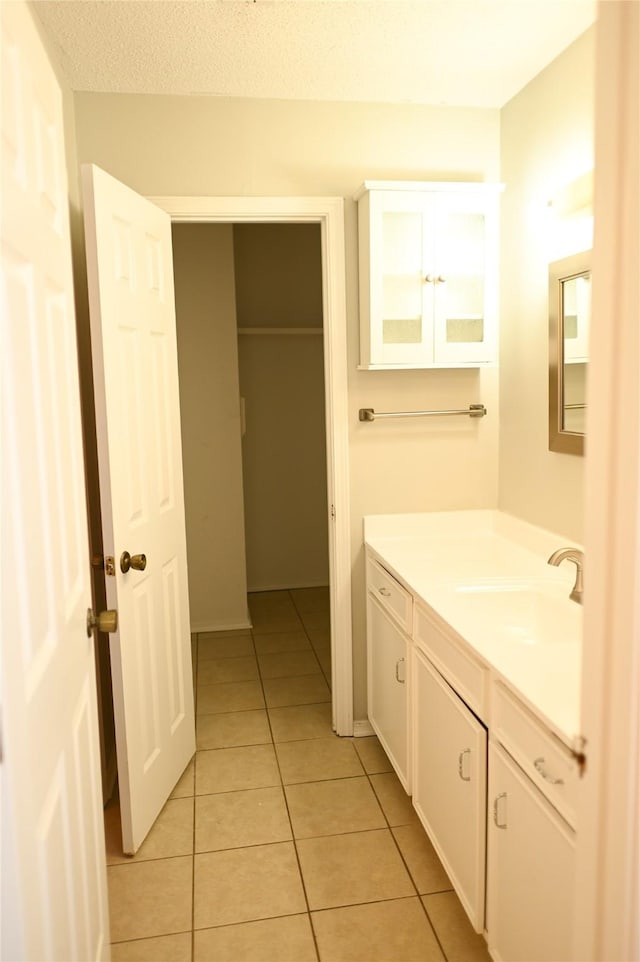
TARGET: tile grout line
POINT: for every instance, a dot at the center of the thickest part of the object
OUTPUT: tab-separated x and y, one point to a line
193	854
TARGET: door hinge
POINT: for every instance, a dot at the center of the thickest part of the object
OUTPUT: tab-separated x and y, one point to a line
578	753
333	512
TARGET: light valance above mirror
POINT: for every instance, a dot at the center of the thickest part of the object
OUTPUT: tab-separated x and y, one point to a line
569	319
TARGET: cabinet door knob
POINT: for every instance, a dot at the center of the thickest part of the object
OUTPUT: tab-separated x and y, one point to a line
384	592
496	802
539	767
461	757
399	662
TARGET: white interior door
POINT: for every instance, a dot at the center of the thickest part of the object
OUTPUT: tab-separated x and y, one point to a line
133	334
54	902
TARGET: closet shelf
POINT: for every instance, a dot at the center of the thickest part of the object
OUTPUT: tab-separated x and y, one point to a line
295	331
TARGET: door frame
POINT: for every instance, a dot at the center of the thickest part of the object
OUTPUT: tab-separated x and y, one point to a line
328	212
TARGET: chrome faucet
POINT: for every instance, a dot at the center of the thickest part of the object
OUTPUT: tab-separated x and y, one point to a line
577	556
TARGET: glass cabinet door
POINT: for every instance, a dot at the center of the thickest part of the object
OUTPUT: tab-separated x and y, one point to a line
462	328
402	331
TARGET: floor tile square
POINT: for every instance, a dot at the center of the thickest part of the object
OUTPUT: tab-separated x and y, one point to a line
164	948
332	807
299	722
311	599
219	644
215	671
372	755
255	816
184	785
306	690
348	869
232	730
288	664
422	860
453	928
244	884
282	641
234	769
396	930
318	759
396	804
150	898
313	620
232	696
171	834
287	939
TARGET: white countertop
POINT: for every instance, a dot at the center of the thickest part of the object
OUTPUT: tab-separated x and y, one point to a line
428	553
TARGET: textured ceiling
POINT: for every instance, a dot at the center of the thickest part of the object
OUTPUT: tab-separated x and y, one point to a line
456	52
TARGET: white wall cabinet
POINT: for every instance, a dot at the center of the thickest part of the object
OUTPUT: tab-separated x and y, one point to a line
450	781
428	255
530	869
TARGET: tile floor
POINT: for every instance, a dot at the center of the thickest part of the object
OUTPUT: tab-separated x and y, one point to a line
282	842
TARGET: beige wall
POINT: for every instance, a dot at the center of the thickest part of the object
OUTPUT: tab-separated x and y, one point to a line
210	421
215	146
279	285
547	141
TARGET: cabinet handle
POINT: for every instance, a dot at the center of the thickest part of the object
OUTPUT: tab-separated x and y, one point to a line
496	802
429	279
461	758
539	767
440	279
384	592
399	662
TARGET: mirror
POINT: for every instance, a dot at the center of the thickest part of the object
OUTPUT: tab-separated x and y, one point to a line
569	317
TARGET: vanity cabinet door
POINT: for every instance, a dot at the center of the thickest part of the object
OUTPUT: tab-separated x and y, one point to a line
387	683
530	869
449	782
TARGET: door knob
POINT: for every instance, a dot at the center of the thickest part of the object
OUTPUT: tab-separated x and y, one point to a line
106	621
136	561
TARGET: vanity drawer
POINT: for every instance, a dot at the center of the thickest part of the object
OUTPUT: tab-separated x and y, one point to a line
542	756
467	676
390	593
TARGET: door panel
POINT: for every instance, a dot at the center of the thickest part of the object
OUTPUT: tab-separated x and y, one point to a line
54	903
130	273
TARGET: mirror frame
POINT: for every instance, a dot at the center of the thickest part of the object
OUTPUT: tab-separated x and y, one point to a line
561	440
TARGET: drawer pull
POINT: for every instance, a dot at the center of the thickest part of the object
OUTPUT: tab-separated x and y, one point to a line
539	767
384	592
399	662
496	802
461	757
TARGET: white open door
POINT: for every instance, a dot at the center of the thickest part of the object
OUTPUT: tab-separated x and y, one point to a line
54	903
135	366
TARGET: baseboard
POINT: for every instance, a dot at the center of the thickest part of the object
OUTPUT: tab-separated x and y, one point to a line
288	587
362	728
200	629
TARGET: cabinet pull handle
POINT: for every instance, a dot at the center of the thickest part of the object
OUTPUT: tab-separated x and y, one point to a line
399	662
440	279
539	767
384	592
461	757
429	279
496	801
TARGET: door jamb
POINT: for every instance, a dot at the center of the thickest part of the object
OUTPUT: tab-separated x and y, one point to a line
329	213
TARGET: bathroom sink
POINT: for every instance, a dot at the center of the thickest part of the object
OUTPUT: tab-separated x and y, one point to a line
523	613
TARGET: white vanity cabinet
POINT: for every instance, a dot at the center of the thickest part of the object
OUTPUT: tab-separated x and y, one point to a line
428	256
389	608
449	782
530	869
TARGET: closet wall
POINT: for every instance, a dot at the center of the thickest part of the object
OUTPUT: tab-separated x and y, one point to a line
210	419
278	270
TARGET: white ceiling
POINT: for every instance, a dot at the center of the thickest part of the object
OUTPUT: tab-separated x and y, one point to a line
455	52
